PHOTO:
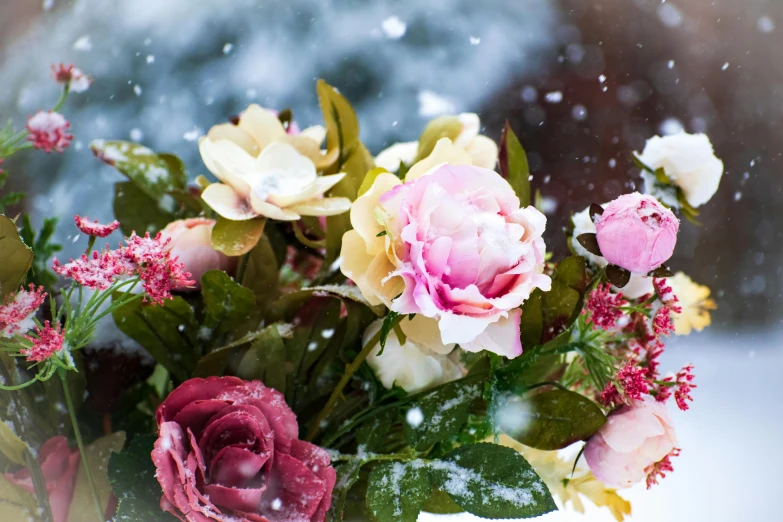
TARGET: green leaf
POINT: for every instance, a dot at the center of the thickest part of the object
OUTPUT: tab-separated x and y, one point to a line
235	238
397	491
572	271
43	249
440	503
555	419
16	503
138	212
391	320
265	360
618	276
441	127
347	475
98	454
444	411
492	481
155	174
532	323
17	258
11	446
342	125
373	432
590	242
168	332
132	476
261	275
226	302
514	166
559	305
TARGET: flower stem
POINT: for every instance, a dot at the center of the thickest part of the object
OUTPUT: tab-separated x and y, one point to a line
72	411
62	99
315	427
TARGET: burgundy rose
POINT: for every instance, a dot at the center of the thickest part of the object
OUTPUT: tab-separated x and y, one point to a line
229	449
59	466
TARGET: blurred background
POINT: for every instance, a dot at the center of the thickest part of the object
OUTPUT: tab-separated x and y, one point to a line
582	83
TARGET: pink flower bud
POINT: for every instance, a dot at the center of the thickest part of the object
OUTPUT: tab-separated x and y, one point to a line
637	233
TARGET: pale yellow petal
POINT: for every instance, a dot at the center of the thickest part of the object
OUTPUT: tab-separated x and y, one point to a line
322	207
317	133
286	177
269	210
262	125
378	270
363	212
305	146
444	152
484	152
355	262
231	132
229	162
226	202
425	331
391	157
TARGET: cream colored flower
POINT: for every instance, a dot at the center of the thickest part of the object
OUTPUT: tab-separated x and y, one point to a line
695	302
688	161
556	473
483	151
264	171
418	363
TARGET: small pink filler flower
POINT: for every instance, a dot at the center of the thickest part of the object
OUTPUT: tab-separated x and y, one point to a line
93	228
49	131
45	343
16	314
69	75
637	233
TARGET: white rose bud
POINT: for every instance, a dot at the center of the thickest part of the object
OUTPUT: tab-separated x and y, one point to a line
689	162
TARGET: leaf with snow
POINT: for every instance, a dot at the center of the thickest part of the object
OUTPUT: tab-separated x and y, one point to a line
397	490
226	302
492	481
440	414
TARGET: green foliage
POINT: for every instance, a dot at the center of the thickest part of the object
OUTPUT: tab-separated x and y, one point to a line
369	179
137	212
43	250
397	491
82	507
132	476
265	360
226	302
155	174
168	332
17	257
492	481
347	476
555	419
532	322
441	127
444	412
11	198
235	238
390	321
513	164
440	503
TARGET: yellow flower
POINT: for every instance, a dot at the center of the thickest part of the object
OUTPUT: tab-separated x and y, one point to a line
482	150
556	473
695	302
264	171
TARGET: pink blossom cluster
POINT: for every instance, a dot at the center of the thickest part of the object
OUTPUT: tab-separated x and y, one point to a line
604	307
46	342
660	468
48	131
16	314
679	385
93	228
146	257
69	75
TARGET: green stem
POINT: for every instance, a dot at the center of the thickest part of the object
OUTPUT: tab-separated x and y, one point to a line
90	244
63	97
241	268
77	433
315	427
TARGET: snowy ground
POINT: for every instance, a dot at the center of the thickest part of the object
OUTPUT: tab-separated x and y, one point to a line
729	470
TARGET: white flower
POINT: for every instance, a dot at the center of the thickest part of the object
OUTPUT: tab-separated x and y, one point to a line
80	82
688	161
482	150
637	286
420	362
265	171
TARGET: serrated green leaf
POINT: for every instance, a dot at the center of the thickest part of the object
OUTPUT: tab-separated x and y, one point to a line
98	453
397	491
441	504
492	481
389	322
572	271
531	325
265	360
226	302
132	476
168	332
155	174
444	411
555	419
514	166
138	212
371	434
235	238
347	476
17	258
441	127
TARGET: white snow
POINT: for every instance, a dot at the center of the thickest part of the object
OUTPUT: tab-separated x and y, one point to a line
394	28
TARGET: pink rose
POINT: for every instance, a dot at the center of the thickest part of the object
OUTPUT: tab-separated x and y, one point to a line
468	254
229	450
632	440
191	242
637	233
59	466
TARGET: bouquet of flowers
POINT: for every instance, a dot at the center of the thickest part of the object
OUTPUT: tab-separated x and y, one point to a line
334	335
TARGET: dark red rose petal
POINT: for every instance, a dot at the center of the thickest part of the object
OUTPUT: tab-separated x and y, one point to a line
169	455
295	492
195	415
236	467
240	425
236	499
193	390
317	459
272	403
